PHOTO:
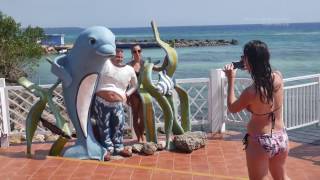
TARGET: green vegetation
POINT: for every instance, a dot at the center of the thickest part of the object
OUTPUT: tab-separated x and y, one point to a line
19	50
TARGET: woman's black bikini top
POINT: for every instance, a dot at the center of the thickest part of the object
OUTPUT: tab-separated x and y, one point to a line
131	64
137	74
271	116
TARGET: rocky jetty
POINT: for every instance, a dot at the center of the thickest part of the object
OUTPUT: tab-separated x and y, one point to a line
127	44
176	43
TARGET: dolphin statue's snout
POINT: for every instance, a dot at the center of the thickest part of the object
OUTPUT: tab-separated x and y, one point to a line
106	50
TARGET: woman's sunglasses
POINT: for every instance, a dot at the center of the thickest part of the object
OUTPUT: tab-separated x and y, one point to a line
137	51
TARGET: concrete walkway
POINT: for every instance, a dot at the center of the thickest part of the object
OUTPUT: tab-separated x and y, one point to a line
222	158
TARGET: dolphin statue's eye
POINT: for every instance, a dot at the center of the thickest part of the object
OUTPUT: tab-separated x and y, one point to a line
92	41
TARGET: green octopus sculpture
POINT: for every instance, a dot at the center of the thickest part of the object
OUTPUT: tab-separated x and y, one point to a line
167	101
34	117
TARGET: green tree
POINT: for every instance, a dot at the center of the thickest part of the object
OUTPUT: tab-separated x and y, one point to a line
20	51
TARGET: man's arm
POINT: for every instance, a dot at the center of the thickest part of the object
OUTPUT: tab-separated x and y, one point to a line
133	84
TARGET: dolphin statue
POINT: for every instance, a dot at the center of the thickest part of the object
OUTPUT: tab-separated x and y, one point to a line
79	70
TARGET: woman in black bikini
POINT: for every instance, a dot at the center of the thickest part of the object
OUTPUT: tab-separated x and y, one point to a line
266	142
135	100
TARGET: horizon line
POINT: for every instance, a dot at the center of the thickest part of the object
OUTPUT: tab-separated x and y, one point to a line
315	22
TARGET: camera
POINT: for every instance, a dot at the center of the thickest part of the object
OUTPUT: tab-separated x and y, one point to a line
238	65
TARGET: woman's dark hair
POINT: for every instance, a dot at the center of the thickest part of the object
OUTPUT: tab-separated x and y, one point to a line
134	45
258	57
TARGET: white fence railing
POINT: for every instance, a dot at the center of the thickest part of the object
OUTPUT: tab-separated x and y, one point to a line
301	106
301	101
207	104
16	102
4	114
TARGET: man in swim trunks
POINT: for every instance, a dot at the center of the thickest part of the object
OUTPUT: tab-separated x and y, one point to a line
107	108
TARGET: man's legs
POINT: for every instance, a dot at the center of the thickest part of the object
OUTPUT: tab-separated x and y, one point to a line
102	114
116	126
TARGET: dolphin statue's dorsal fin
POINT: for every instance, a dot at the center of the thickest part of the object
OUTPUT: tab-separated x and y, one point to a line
58	69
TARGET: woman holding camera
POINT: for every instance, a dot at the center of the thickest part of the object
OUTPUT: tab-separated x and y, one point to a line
266	141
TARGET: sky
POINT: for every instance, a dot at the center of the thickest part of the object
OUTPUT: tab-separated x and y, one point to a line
139	13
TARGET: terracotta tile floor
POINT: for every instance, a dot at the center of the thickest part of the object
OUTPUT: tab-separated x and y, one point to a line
222	158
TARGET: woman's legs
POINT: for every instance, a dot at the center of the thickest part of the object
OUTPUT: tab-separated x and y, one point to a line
137	112
257	160
277	166
141	121
135	115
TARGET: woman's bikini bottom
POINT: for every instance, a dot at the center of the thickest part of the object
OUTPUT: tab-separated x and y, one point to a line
273	144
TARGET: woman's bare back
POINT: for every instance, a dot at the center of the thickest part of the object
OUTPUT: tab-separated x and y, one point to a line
260	122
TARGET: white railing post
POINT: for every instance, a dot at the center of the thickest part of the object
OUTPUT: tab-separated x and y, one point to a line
318	101
217	108
4	136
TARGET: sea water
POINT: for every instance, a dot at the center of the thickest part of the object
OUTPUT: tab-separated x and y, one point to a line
295	48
